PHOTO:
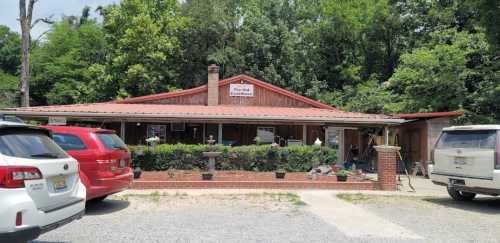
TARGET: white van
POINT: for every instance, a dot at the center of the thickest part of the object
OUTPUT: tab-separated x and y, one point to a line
466	160
40	188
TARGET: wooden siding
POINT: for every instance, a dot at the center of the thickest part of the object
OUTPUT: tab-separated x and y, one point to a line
262	97
194	99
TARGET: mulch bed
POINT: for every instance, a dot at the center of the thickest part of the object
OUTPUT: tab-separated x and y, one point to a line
245	179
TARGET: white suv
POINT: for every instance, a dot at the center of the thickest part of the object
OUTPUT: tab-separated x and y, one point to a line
466	159
40	187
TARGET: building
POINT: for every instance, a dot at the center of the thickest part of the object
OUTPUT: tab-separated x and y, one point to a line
234	111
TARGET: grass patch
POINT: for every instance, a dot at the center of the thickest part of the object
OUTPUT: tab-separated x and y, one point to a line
286	197
153	196
354	197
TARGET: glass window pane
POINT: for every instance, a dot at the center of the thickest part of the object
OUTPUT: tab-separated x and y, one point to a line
29	144
68	141
468	139
111	141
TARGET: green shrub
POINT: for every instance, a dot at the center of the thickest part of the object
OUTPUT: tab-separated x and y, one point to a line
251	158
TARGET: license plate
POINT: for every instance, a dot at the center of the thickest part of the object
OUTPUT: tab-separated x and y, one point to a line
460	160
59	183
122	163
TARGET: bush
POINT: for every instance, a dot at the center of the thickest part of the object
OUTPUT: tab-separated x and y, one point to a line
251	158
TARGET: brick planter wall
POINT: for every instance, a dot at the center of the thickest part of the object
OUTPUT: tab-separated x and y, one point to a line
386	166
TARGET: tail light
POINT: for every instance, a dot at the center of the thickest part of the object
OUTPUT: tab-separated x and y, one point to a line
19	218
14	176
432	157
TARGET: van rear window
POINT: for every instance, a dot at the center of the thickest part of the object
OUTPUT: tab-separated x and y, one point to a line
111	141
468	139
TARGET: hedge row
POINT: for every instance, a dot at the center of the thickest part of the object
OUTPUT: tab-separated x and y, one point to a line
252	157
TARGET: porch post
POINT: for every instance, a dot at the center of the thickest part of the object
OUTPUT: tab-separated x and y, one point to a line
204	133
304	134
122	131
386	166
220	133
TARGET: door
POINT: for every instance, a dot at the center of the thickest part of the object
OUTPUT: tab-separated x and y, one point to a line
334	138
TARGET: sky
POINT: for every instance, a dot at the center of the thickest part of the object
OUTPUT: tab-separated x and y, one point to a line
9	11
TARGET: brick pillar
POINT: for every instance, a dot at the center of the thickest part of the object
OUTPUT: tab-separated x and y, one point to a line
213	85
386	166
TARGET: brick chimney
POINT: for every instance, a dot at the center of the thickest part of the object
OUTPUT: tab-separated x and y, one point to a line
213	85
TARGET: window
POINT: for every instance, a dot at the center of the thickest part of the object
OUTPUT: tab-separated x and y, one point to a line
68	141
159	131
468	139
178	127
266	134
111	141
29	144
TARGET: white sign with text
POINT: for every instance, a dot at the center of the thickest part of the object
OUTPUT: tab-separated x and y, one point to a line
245	90
57	120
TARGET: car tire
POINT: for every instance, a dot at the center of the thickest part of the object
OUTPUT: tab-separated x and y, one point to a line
460	195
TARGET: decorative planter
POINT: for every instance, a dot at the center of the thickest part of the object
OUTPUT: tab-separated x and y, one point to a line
280	174
341	177
207	176
137	173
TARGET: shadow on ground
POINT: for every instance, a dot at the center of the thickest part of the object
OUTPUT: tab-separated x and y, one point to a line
37	241
107	206
485	205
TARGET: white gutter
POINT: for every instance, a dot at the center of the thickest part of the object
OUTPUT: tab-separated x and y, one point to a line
205	117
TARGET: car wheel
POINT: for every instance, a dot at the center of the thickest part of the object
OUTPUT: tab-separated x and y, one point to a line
460	195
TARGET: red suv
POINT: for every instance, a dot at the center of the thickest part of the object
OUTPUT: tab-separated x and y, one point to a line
104	158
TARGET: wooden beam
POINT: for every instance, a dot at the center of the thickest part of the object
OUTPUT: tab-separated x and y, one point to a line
122	131
304	134
219	136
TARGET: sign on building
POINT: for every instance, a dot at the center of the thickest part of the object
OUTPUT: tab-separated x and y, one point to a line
57	120
245	90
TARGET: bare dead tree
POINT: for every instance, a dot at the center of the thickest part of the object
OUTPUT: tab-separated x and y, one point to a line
25	18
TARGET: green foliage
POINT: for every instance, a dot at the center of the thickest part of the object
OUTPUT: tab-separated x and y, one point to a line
61	65
143	45
252	157
10	50
8	86
367	55
453	71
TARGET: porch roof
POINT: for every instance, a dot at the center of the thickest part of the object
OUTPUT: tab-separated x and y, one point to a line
203	113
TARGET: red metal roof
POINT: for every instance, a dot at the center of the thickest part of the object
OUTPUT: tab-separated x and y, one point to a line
200	112
427	115
223	82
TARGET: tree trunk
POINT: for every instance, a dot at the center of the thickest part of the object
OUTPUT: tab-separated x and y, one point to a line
25	19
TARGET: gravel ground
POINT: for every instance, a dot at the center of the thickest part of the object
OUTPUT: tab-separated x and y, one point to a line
438	219
181	218
271	217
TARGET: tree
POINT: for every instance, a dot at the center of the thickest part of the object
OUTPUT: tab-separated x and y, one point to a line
25	18
441	75
62	72
10	50
144	48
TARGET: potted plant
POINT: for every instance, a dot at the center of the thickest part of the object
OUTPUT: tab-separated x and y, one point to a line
280	174
206	176
342	175
137	172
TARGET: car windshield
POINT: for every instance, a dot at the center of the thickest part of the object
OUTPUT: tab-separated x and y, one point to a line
468	139
29	144
112	141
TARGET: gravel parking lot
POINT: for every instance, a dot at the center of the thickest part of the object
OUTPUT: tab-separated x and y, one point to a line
437	218
272	217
